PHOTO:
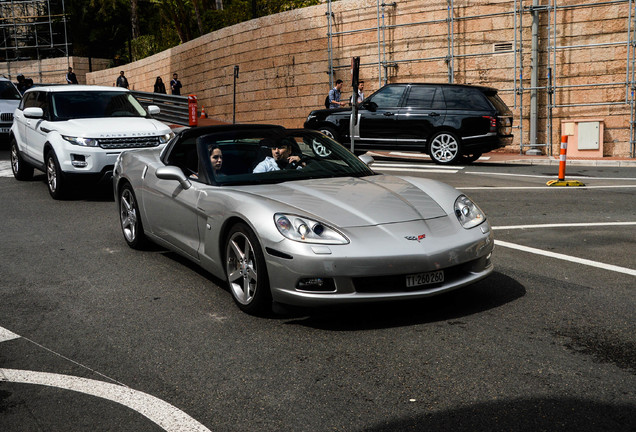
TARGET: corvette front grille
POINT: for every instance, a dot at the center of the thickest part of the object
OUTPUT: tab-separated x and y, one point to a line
6	117
130	142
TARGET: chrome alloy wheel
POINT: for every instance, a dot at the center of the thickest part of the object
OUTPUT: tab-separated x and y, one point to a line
15	159
128	215
51	174
241	268
444	148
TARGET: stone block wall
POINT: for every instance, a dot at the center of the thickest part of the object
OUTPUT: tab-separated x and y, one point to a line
284	60
53	70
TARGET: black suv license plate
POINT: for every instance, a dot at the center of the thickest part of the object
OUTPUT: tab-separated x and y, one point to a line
427	278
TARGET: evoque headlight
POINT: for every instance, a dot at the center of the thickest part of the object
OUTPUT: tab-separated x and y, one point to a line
307	230
468	213
81	141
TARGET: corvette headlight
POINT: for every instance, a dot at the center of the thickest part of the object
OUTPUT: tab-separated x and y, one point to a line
80	141
307	230
468	213
165	138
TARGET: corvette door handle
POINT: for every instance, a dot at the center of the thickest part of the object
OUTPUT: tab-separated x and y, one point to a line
433	114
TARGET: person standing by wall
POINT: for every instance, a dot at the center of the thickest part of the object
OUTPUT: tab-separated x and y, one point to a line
70	76
334	96
360	96
122	81
175	85
160	87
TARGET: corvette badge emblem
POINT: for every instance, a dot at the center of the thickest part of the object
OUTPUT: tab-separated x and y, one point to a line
418	238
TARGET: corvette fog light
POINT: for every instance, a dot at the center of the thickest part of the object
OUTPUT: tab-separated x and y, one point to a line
316	284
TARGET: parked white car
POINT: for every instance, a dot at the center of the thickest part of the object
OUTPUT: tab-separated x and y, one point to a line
74	133
9	101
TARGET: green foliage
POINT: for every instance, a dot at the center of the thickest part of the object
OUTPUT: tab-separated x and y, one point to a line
102	28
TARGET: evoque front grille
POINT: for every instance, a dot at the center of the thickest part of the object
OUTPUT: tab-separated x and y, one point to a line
131	142
6	117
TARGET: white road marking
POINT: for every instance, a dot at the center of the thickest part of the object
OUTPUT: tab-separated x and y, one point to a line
563	257
5	169
423	156
378	168
550	177
547	188
420	166
6	335
159	412
563	225
168	417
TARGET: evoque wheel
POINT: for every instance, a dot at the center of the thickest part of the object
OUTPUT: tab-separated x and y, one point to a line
21	170
444	148
130	219
54	177
246	272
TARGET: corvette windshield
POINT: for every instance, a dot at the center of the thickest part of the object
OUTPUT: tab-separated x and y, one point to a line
94	104
275	155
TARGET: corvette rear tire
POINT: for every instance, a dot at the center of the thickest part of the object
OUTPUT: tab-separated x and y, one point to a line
21	170
246	271
130	219
445	148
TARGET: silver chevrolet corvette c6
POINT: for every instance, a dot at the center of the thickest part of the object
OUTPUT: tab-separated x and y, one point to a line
293	217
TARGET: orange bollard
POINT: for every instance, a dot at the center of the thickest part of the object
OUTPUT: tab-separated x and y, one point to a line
562	159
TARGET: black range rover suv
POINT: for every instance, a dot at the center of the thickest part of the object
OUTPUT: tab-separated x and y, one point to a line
452	123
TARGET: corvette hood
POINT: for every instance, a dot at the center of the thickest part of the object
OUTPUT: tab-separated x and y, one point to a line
110	127
351	202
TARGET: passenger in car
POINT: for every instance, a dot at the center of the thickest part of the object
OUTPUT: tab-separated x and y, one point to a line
216	157
281	158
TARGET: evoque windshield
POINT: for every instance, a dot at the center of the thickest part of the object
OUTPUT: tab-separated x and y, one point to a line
94	104
273	156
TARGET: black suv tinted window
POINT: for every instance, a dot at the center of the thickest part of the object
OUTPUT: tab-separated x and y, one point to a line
501	106
388	97
425	97
465	98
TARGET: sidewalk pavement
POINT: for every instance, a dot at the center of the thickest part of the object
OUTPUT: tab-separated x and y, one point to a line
512	158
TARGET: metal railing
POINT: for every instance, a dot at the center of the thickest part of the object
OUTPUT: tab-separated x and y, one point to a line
174	109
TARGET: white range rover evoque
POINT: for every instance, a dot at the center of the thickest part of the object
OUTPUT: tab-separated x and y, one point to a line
75	133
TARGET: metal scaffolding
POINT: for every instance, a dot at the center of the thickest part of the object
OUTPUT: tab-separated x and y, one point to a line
544	68
32	30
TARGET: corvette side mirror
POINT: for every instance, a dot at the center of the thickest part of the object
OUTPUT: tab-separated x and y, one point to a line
174	173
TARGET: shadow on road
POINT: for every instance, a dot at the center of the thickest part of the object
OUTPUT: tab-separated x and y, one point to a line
490	293
522	415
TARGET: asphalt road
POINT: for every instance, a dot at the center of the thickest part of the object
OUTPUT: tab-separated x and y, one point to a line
97	337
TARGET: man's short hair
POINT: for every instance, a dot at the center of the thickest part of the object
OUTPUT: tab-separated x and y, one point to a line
338	81
361	82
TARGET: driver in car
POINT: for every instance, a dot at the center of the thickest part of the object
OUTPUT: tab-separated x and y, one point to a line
281	158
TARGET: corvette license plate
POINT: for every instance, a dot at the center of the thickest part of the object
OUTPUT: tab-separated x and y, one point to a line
428	278
4	130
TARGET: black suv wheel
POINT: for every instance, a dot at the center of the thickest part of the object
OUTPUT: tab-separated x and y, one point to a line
445	148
